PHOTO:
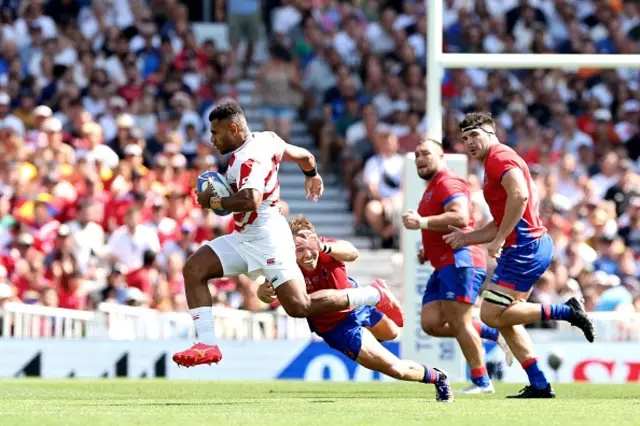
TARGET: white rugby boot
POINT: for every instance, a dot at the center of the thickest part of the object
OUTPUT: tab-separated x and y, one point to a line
477	390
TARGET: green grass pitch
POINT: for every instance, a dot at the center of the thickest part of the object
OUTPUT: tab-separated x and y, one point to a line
27	402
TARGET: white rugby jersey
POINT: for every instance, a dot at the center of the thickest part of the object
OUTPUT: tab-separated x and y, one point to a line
255	165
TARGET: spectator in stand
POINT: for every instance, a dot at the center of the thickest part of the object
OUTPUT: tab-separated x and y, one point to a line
382	195
145	278
129	242
625	189
115	289
277	90
245	24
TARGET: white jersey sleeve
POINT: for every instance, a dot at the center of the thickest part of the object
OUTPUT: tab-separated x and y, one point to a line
277	143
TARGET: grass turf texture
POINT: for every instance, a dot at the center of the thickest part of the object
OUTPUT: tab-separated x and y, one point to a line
27	402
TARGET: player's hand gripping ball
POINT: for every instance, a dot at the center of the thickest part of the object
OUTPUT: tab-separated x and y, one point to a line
266	293
212	184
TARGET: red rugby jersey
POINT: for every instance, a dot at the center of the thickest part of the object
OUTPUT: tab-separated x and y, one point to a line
500	160
329	274
444	187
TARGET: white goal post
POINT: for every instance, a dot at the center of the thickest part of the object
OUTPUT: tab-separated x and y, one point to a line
415	344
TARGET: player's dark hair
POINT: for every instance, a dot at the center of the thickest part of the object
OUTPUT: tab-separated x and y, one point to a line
226	111
477	119
301	223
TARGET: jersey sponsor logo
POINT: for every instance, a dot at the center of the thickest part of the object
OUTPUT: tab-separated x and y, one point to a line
271	261
428	195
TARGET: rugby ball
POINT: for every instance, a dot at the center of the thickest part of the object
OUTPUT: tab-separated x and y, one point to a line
219	184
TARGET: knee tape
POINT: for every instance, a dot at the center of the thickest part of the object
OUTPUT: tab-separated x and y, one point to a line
497	298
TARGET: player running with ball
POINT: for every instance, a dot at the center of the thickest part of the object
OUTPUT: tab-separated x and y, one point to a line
523	249
354	332
261	241
454	285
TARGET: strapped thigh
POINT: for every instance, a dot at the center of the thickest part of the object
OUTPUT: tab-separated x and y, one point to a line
498	298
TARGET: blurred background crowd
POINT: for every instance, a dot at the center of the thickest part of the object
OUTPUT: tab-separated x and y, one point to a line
103	128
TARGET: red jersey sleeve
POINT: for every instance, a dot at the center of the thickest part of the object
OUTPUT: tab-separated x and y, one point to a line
450	189
500	163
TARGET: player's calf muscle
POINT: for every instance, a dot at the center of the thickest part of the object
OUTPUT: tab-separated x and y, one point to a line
405	370
436	329
198	269
325	301
295	303
433	322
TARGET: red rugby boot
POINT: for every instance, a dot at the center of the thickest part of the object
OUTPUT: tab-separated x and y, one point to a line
198	354
389	304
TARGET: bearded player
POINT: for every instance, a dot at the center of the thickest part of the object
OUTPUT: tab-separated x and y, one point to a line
522	246
354	332
261	241
454	285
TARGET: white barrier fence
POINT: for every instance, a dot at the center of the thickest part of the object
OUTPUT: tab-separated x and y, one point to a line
118	322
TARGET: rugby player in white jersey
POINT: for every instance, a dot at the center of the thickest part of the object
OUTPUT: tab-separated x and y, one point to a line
262	241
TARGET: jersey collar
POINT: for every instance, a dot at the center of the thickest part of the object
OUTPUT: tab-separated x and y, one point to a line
249	139
438	176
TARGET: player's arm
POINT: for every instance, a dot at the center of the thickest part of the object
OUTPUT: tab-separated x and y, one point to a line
313	185
483	235
251	180
456	213
302	157
457	238
245	200
340	250
515	185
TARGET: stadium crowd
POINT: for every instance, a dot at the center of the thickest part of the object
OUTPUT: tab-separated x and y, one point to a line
103	123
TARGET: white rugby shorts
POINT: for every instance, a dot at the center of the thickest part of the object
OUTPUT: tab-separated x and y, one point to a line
270	253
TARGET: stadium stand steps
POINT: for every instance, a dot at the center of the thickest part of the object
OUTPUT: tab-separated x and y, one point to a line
330	215
378	264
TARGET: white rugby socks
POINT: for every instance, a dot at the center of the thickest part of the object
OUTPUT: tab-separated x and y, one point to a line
361	296
203	317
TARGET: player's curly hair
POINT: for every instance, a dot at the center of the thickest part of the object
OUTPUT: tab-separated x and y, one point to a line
301	223
477	119
226	111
